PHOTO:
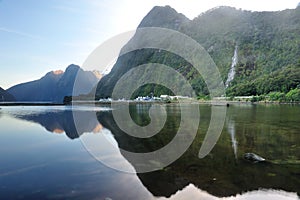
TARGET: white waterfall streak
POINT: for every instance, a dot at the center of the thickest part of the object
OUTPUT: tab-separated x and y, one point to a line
232	68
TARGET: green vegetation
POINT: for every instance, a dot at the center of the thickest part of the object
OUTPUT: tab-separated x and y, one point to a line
268	52
276	96
292	96
151	90
281	81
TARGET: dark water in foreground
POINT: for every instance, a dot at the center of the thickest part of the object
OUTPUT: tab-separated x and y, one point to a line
43	154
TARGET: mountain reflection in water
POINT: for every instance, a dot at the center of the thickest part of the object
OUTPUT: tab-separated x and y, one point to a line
62	120
224	172
219	173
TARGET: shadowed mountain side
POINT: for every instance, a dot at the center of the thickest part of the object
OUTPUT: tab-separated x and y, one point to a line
219	173
64	121
55	85
6	96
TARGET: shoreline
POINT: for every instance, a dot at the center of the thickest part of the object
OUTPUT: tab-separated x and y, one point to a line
212	102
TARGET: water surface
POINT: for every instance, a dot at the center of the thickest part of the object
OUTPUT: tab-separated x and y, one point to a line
43	156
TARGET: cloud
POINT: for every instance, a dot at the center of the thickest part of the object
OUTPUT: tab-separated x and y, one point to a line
20	33
21	170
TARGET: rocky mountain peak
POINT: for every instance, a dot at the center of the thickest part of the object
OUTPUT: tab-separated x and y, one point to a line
163	16
57	72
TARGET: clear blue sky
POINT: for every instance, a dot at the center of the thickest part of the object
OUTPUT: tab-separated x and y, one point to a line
38	36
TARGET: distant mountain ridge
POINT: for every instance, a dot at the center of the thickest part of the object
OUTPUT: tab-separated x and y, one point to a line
55	85
6	96
268	53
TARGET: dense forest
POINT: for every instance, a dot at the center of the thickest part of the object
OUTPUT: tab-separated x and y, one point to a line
268	51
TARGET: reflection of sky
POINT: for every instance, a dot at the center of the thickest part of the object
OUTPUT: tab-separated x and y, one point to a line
34	161
192	192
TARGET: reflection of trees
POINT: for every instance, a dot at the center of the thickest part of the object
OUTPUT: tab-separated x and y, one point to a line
64	121
140	144
219	173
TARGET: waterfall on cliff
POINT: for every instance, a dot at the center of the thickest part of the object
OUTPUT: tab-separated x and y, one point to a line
232	68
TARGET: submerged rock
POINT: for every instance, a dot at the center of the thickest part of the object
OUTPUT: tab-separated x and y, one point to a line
252	157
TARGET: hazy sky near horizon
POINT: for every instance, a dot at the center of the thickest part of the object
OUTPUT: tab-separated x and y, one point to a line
41	36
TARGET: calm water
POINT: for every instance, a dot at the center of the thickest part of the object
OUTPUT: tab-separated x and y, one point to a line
44	154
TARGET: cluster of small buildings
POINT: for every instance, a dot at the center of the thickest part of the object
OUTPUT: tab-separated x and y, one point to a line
161	98
147	98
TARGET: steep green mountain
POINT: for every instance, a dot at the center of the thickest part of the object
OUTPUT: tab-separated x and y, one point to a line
267	45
